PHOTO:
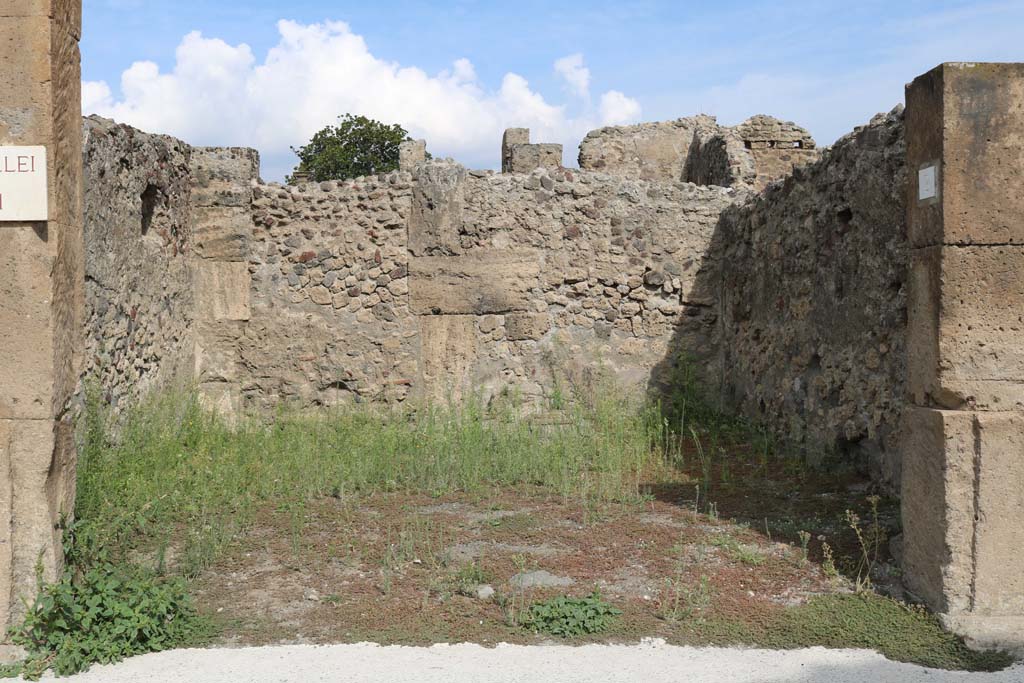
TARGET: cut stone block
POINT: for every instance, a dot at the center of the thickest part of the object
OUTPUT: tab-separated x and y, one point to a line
437	210
526	158
239	165
525	326
223	290
37	457
26	323
966	327
965	139
216	351
962	502
223	194
511	138
985	632
222	398
486	282
999	532
447	357
223	234
938	506
411	153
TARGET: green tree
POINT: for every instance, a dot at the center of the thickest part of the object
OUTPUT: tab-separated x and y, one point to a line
357	146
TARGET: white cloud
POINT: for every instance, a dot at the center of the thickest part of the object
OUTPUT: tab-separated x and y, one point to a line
575	74
617	109
96	96
220	94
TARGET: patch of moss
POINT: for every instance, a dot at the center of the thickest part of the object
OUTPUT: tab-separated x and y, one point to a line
900	632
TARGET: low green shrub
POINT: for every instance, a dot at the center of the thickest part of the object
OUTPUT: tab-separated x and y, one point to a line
104	615
567	617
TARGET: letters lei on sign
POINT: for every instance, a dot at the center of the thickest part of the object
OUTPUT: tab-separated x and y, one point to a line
23	185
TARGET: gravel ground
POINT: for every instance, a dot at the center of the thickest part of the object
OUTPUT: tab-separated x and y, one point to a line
650	662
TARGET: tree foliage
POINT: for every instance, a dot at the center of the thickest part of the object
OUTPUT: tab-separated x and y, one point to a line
356	146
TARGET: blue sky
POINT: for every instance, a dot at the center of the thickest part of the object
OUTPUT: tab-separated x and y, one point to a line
458	72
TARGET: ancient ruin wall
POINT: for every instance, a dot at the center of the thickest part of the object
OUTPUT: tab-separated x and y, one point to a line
330	319
649	151
138	251
776	147
718	156
752	155
813	302
574	272
442	282
453	282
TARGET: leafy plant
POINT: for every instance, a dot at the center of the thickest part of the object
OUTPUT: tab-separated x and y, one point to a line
106	614
357	146
567	617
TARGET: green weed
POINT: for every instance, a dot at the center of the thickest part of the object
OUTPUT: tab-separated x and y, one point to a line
106	614
740	552
567	617
681	601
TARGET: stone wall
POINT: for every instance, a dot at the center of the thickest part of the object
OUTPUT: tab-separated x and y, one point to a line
812	301
438	282
751	155
223	180
776	147
450	282
649	151
330	320
138	259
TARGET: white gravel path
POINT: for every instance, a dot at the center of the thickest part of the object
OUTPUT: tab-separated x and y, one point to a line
650	662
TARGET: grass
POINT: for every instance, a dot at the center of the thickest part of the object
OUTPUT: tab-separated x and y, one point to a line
177	477
171	485
747	554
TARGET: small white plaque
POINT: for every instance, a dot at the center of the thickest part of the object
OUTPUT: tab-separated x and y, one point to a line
927	188
23	187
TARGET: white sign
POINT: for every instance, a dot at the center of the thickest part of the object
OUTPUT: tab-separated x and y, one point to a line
927	187
23	187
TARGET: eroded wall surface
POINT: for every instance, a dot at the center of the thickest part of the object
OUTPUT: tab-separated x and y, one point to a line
812	301
650	151
138	260
699	150
450	282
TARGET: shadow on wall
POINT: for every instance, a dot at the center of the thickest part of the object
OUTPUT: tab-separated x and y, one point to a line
797	320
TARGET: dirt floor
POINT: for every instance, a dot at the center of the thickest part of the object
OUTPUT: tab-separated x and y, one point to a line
414	569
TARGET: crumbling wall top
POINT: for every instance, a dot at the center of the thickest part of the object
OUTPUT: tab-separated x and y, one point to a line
770	132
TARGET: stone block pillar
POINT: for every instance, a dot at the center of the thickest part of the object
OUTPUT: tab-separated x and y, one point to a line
411	154
512	138
963	439
222	196
41	295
